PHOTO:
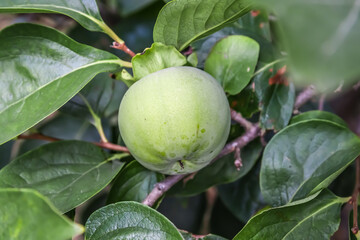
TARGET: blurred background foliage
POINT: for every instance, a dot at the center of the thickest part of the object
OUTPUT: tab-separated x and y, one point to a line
225	208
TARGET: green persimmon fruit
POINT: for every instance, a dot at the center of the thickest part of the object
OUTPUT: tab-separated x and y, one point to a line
175	121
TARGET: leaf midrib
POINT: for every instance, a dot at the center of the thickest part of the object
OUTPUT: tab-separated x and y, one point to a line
311	215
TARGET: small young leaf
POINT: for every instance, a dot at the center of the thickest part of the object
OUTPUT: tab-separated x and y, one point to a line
62	172
181	22
83	11
232	62
158	57
134	183
304	158
318	218
311	115
40	70
221	171
26	214
129	220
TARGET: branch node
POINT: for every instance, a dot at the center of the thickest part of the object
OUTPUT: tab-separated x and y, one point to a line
122	47
160	187
238	161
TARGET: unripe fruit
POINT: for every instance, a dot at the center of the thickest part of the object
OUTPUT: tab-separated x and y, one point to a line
175	121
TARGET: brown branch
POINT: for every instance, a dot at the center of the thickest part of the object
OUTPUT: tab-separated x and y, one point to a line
123	47
354	198
304	97
162	187
240	142
105	145
237	117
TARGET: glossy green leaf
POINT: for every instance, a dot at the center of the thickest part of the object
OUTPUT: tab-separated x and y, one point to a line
243	197
189	236
158	57
134	183
40	70
277	106
221	171
276	99
181	22
26	214
126	7
318	218
311	115
232	62
83	11
62	172
320	46
129	220
304	158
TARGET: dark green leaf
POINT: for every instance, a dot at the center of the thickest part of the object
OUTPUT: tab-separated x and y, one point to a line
318	218
134	183
304	158
188	236
62	171
129	220
276	99
320	46
25	214
83	11
245	102
311	115
40	70
181	22
126	7
243	197
221	171
277	106
158	57
257	22
232	62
